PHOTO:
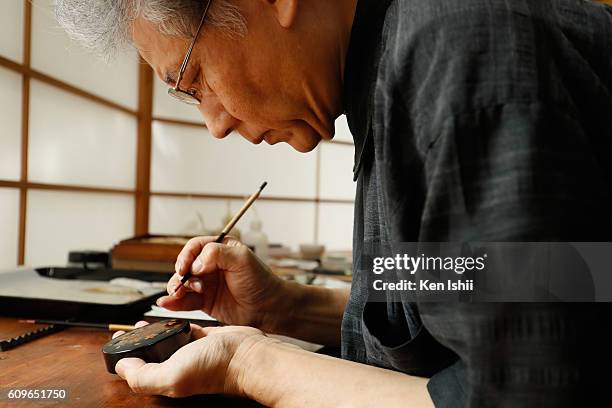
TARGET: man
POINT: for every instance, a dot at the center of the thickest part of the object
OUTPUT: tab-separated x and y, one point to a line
475	120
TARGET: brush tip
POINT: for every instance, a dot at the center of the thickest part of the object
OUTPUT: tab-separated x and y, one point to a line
263	185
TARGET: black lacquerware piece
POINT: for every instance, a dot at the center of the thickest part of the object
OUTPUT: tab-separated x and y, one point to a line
153	343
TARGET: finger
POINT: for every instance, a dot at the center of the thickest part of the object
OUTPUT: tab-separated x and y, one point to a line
194	247
174	286
137	325
118	333
195	284
189	252
144	378
125	365
172	283
219	256
191	301
197	332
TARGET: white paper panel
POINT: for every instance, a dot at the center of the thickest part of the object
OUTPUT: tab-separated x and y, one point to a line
11	30
55	54
289	223
336	226
59	222
337	171
343	132
10	124
186	159
78	142
166	107
9	224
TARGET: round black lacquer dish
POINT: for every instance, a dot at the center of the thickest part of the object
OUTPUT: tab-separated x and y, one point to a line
153	343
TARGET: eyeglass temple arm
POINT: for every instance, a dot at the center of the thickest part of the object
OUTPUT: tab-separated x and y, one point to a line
195	38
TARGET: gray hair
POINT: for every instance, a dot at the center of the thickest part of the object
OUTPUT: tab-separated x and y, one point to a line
105	25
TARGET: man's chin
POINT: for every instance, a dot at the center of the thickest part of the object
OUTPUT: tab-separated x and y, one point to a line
303	146
302	142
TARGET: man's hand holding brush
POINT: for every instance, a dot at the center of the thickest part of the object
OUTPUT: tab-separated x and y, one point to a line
228	282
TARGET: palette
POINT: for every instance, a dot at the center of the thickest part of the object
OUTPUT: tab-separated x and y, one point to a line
75	294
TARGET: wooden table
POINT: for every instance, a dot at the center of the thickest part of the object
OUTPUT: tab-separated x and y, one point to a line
72	360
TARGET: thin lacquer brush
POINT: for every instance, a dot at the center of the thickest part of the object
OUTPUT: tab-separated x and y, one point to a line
106	326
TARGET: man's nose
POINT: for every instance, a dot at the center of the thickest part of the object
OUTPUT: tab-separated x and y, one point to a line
218	121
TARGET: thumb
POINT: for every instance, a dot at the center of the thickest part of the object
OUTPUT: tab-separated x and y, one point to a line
197	332
144	378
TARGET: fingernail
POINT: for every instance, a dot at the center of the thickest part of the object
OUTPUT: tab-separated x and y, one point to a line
178	267
173	290
196	285
197	265
158	301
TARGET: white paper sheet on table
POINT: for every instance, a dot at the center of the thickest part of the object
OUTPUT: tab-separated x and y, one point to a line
157	311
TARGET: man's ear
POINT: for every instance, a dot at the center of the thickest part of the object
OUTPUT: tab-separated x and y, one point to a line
285	11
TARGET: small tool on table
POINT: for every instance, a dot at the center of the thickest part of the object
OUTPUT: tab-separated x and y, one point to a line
106	326
55	326
228	227
13	342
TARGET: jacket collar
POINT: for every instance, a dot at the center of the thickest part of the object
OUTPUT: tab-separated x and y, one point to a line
360	71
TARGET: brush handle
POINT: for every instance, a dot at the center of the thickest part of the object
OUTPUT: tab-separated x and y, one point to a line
68	323
117	327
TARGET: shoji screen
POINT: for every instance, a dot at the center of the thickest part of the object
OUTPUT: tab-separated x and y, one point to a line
55	55
11	30
11	53
288	224
68	136
9	216
337	190
78	142
60	221
10	125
